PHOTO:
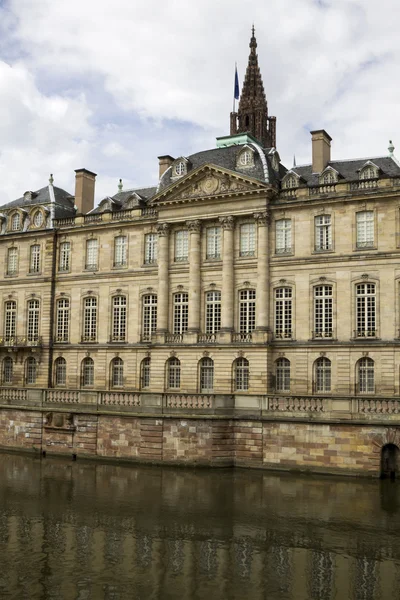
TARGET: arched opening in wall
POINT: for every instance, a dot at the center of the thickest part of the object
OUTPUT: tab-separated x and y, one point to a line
390	461
247	121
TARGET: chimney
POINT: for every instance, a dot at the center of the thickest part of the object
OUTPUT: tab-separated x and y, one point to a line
321	150
84	190
164	162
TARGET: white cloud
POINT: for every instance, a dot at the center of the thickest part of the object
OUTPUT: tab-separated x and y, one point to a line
95	81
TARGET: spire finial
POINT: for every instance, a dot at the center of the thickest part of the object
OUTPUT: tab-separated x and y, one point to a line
391	148
294	161
253	41
120	185
51	179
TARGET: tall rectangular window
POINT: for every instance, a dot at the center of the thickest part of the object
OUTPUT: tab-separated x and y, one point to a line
150	248
33	321
92	252
365	310
283	236
34	262
283	312
119	319
120	251
247	311
365	229
89	320
181	312
213	243
149	316
323	232
65	257
181	245
213	312
10	319
12	261
323	311
248	239
63	320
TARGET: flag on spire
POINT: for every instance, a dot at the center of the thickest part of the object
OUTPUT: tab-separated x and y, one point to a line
236	91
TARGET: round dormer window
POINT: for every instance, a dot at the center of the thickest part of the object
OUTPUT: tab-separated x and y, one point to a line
180	168
246	158
38	218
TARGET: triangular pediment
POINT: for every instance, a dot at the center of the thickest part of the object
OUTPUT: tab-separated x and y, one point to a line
208	181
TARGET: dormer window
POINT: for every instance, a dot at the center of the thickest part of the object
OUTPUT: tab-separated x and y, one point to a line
16	222
180	168
38	218
290	182
369	172
328	177
245	158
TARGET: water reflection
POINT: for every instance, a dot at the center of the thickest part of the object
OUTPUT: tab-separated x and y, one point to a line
92	531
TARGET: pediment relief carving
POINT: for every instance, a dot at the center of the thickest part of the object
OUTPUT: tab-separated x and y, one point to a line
213	184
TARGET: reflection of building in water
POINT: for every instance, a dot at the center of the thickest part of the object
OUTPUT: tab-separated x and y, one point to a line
278	538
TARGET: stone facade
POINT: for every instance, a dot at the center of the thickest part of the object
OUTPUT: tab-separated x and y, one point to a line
234	288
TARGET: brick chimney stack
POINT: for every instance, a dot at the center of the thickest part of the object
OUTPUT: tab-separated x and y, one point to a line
164	162
321	150
84	190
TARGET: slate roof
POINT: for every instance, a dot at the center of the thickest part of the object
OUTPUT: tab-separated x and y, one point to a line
349	170
64	202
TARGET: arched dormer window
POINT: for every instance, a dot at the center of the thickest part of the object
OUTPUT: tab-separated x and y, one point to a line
327	177
369	171
16	222
37	218
180	167
245	158
290	181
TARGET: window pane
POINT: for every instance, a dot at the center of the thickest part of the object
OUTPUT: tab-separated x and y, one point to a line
248	239
213	242
181	312
149	316
120	251
12	261
34	266
213	312
283	312
181	245
150	252
247	311
65	253
62	320
91	255
283	230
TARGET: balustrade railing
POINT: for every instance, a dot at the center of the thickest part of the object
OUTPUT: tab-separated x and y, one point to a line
96	218
289	194
174	338
364	184
322	189
207	338
379	406
149	212
120	398
62	396
21	341
67	222
13	395
243	338
122	215
195	401
295	404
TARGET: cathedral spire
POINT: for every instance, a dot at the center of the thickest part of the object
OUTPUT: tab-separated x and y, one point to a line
252	115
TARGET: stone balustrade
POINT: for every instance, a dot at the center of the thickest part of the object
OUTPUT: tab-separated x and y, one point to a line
269	406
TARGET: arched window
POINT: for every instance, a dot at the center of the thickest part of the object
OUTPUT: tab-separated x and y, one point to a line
7	369
33	321
246	158
323	375
118	319
38	218
241	374
60	371
327	178
117	372
16	222
173	373
283	313
149	314
368	172
282	374
206	375
30	370
145	373
366	375
87	372
290	182
63	313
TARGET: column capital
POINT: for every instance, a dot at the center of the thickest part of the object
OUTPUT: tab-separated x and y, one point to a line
194	226
162	229
262	218
227	222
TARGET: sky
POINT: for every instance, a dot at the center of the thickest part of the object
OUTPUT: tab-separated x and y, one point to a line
111	85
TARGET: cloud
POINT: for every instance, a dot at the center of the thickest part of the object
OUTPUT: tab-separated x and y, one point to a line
111	85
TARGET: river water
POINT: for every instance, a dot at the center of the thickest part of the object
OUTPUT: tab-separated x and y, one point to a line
79	530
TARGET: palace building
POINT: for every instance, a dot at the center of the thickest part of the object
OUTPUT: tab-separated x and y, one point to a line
233	286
